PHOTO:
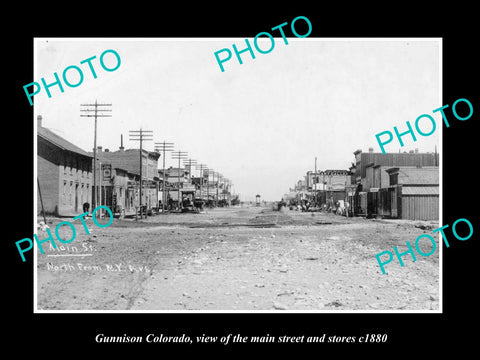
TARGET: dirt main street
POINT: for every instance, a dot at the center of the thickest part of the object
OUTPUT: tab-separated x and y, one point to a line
242	258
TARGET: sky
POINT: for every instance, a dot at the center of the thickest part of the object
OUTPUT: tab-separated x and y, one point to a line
261	123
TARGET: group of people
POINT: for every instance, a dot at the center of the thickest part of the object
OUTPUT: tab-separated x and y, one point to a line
187	203
339	207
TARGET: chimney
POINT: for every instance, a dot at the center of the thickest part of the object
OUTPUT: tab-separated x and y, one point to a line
99	148
370	150
411	151
121	142
416	151
39	120
107	150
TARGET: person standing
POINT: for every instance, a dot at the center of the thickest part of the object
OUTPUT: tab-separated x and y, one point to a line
86	207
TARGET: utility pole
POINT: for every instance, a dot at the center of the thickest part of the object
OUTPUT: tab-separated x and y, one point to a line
218	176
163	146
100	173
41	201
324	191
141	135
179	155
315	182
96	108
330	186
225	188
230	192
202	168
209	172
190	162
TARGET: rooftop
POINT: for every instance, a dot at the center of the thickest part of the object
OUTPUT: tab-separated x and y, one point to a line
420	190
60	142
416	175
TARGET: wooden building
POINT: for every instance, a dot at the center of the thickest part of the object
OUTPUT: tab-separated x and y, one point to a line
64	173
126	165
417	192
371	177
412	193
412	158
177	182
328	186
119	189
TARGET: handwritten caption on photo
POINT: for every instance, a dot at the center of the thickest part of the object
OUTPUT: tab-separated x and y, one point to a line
120	267
69	224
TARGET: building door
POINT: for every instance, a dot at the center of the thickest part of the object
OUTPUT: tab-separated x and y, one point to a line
76	197
393	202
81	194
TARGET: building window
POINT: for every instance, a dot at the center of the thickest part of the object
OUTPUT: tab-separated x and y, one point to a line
393	179
64	191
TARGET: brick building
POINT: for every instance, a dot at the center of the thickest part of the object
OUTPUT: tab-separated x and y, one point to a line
417	192
64	173
129	160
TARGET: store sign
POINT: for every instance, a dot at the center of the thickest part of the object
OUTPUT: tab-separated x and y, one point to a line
107	172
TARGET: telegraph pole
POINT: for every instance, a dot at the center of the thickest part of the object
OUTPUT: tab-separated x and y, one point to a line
96	108
315	182
215	186
141	135
209	172
179	155
324	191
218	176
190	162
225	188
202	168
231	193
41	201
163	146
